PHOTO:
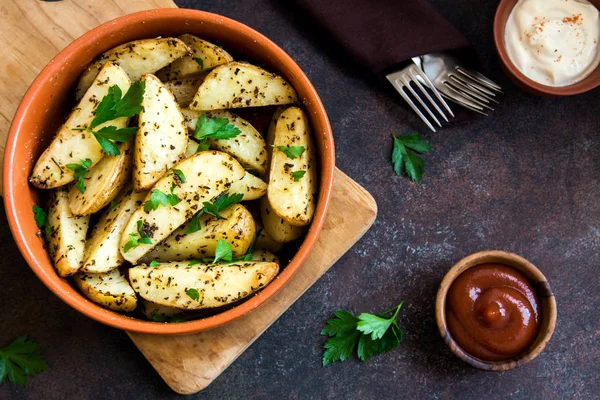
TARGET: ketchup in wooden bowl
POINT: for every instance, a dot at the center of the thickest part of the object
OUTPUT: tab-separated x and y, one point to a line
493	312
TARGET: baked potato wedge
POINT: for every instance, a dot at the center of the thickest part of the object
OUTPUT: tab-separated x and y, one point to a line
185	89
103	182
200	286
236	85
252	187
204	57
249	147
191	149
237	228
156	312
264	255
102	248
110	290
162	139
276	227
293	197
208	174
137	58
70	146
66	234
264	240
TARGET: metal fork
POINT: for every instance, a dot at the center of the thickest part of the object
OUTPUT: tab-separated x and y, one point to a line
401	80
458	83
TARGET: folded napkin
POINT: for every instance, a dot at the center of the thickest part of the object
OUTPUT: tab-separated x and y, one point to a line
380	34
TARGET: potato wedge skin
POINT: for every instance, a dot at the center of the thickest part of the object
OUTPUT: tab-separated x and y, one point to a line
69	146
237	228
102	248
292	200
278	229
217	285
265	241
67	238
252	187
210	54
103	182
110	290
137	58
208	174
249	147
264	255
236	85
162	139
185	89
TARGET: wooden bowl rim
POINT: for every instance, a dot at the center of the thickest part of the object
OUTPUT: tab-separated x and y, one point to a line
588	83
18	217
543	290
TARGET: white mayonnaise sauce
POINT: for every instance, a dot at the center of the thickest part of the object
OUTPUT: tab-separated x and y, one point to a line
554	42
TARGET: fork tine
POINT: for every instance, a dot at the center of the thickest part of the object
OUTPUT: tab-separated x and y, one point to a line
466	95
406	82
458	98
474	92
416	81
474	85
400	89
430	85
479	78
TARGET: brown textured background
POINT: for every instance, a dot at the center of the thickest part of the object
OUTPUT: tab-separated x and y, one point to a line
525	179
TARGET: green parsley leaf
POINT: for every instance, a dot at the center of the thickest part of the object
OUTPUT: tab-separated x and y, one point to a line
154	263
291	151
223	252
377	325
222	203
110	135
157	198
133	238
21	359
340	347
113	106
179	176
79	172
215	128
113	204
195	262
41	218
203	145
405	158
193	294
248	255
297	175
200	62
344	324
132	243
194	225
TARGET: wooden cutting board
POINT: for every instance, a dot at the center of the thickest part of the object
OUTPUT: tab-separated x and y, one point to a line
32	33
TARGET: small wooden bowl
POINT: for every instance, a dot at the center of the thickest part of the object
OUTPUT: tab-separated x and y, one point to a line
542	289
502	13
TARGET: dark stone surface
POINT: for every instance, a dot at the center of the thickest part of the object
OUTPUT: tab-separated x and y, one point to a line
526	179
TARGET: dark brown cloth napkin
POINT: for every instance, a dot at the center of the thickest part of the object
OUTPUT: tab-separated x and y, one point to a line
380	34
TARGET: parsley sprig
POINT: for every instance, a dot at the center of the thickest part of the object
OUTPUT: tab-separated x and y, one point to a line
221	203
21	359
41	219
157	198
200	62
298	175
79	172
405	158
114	105
193	294
213	128
373	334
134	241
291	151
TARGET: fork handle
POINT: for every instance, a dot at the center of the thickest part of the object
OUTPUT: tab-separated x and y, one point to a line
380	34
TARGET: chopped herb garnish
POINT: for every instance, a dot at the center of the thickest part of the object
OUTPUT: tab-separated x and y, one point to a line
180	176
21	359
41	218
133	238
248	255
193	294
291	151
405	158
195	262
203	145
79	172
200	62
110	135
113	204
214	209
223	252
297	175
157	198
374	334
154	263
215	128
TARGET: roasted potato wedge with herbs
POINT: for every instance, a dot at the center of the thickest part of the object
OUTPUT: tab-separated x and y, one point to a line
200	286
137	58
102	248
276	227
66	233
264	255
162	139
191	149
103	182
237	228
207	175
249	147
204	57
156	312
110	290
252	187
237	85
185	89
292	188
264	240
70	146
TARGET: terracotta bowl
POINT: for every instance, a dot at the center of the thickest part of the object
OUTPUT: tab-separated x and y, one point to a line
542	289
36	121
503	11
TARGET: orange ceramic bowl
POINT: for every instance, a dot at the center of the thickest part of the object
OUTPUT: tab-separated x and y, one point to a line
46	101
502	13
